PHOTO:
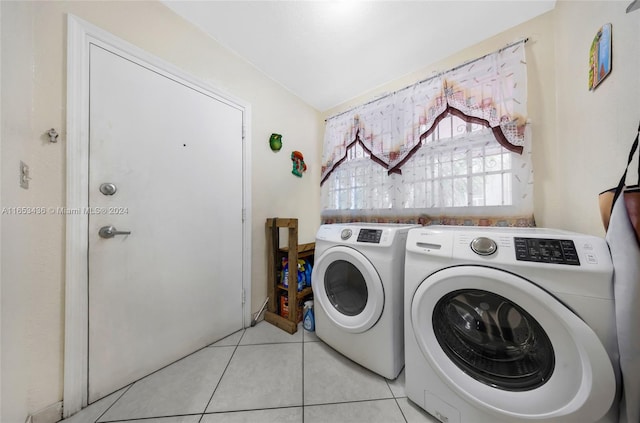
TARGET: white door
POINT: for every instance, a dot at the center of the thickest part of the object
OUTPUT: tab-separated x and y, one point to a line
174	284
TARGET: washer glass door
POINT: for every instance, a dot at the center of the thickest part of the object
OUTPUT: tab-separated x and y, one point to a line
348	288
493	340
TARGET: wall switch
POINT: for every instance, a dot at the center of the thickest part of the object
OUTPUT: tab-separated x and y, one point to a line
24	175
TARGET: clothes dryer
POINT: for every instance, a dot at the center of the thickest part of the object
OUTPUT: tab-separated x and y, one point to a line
510	325
358	288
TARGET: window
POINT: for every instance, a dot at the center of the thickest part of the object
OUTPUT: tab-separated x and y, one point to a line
459	165
358	184
455	144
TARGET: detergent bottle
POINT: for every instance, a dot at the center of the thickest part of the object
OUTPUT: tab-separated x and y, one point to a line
308	321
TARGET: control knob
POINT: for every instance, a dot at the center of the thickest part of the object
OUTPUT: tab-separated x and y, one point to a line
484	246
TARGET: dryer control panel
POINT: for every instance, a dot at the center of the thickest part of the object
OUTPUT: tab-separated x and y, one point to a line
370	235
557	251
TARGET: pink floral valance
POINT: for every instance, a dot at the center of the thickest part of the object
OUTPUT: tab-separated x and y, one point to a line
490	91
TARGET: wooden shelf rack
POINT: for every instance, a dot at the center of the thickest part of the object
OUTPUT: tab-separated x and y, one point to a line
293	251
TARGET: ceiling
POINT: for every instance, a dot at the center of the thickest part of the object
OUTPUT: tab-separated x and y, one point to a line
328	52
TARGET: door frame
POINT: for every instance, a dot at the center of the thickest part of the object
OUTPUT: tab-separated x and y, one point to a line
80	35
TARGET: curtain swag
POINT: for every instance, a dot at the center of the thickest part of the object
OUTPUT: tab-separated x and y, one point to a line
489	91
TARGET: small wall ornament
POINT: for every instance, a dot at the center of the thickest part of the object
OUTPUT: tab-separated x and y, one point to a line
275	142
600	56
298	164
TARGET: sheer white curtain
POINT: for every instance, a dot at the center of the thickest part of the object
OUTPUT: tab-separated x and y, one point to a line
452	149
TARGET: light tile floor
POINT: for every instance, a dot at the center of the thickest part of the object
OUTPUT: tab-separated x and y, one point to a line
260	374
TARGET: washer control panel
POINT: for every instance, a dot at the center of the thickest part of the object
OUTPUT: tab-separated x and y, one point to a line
557	251
370	235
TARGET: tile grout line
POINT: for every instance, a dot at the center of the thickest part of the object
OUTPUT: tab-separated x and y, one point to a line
221	376
350	402
240	410
142	419
303	406
396	398
400	408
159	370
234	351
114	403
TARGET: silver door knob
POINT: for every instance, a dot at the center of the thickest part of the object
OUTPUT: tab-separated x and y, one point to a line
111	231
108	188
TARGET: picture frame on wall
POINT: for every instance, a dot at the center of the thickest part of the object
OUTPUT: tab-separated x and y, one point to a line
600	56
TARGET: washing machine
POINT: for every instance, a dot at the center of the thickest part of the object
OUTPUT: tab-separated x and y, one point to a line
358	290
510	325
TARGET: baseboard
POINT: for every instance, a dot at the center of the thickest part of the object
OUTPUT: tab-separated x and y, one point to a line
50	414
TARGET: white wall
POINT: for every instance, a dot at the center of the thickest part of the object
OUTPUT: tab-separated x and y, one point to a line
1	126
19	280
594	129
33	101
580	138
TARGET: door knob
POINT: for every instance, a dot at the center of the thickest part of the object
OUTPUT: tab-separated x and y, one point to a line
111	231
108	188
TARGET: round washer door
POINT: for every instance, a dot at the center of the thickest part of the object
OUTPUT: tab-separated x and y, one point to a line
509	347
348	288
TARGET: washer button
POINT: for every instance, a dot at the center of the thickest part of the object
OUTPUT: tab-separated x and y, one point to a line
346	234
484	246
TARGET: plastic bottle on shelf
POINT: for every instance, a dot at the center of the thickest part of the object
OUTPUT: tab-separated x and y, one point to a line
308	321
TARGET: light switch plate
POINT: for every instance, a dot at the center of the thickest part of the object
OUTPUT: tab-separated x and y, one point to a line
24	175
